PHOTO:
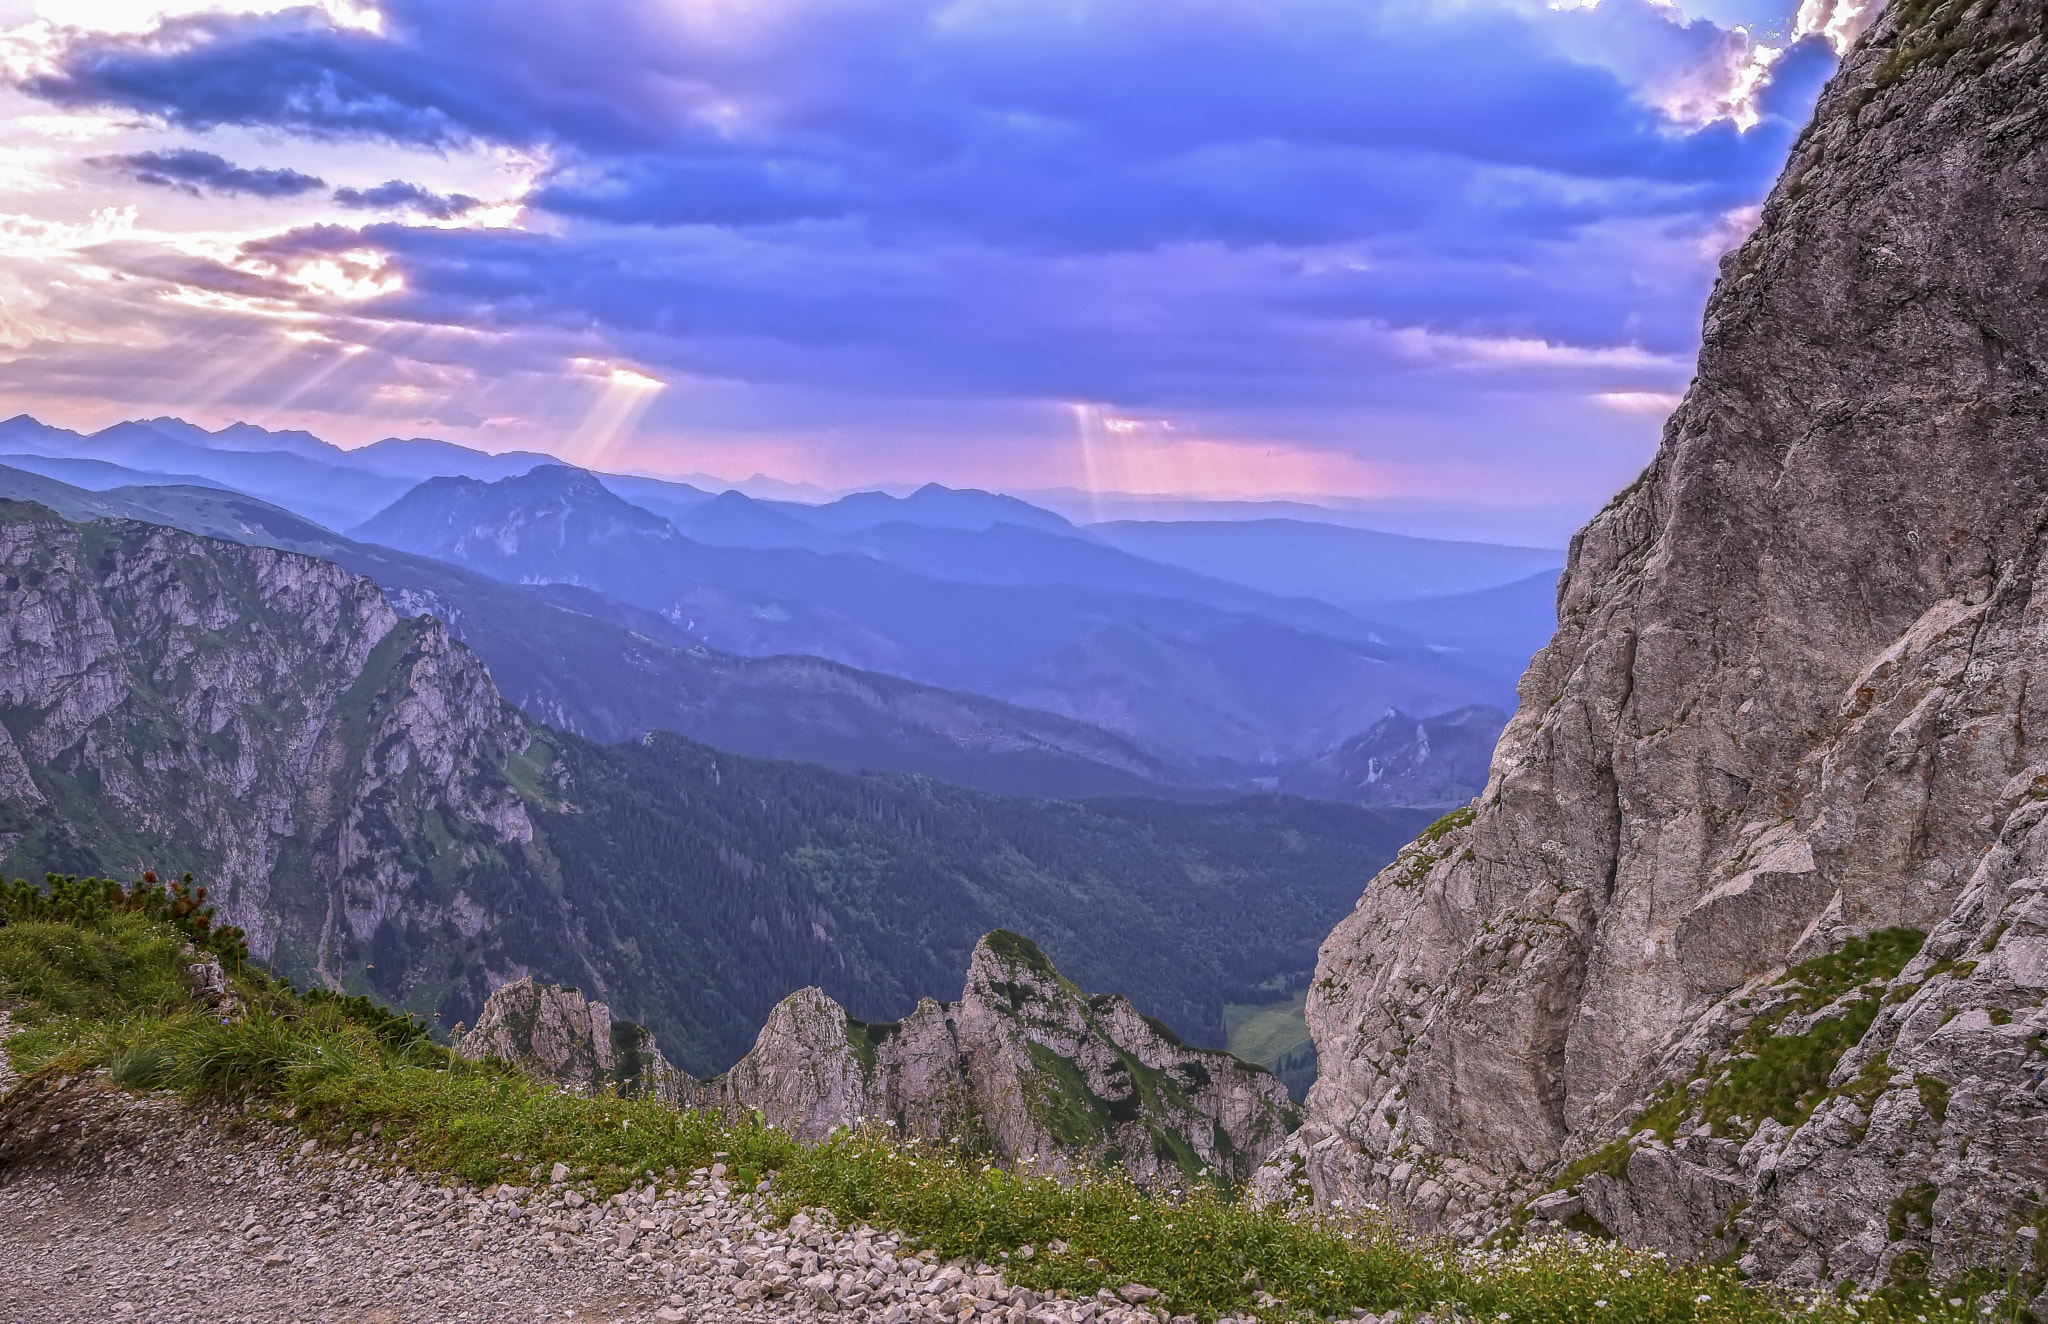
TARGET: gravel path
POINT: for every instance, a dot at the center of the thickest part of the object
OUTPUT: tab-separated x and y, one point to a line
6	1033
125	1207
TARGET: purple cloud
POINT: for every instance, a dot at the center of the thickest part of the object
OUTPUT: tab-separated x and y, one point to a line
397	195
1281	217
194	172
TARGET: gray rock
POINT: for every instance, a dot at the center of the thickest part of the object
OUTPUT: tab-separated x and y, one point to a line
1024	1063
1794	699
265	710
557	1033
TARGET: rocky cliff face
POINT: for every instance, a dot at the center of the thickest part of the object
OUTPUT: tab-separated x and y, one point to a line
326	765
1790	722
1024	1064
556	1032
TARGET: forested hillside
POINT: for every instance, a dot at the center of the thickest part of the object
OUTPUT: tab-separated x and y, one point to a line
738	880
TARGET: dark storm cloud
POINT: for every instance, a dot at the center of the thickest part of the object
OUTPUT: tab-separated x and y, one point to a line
1057	125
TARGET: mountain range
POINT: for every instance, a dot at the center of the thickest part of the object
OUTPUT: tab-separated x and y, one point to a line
590	666
1200	683
964	634
366	804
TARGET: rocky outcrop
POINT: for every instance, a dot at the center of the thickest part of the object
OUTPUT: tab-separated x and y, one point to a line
558	1034
1024	1064
1790	722
210	985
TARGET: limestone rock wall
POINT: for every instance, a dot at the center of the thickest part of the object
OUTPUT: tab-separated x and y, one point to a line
337	774
1793	702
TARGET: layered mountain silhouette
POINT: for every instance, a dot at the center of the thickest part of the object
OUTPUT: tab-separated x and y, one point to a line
586	664
964	634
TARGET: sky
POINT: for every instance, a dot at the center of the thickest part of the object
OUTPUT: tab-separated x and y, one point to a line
1447	250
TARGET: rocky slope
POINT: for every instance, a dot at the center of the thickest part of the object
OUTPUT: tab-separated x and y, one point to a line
362	800
1399	759
1024	1064
269	710
1794	704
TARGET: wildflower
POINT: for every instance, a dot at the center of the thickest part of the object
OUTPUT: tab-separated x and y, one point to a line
1701	1299
1601	1304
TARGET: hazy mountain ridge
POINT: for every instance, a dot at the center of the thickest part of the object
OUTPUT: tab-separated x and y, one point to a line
1441	760
581	663
1193	684
294	473
1176	670
1300	558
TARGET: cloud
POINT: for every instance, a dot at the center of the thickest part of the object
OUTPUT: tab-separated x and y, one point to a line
192	171
1061	122
1334	223
397	195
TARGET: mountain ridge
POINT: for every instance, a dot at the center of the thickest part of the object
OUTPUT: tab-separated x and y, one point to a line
1190	682
584	664
1022	1066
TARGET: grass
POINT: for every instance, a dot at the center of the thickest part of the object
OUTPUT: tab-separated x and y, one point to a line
99	986
1266	1032
1275	1035
1446	825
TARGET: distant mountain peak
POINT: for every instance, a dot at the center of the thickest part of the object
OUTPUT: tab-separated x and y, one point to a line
546	510
934	505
